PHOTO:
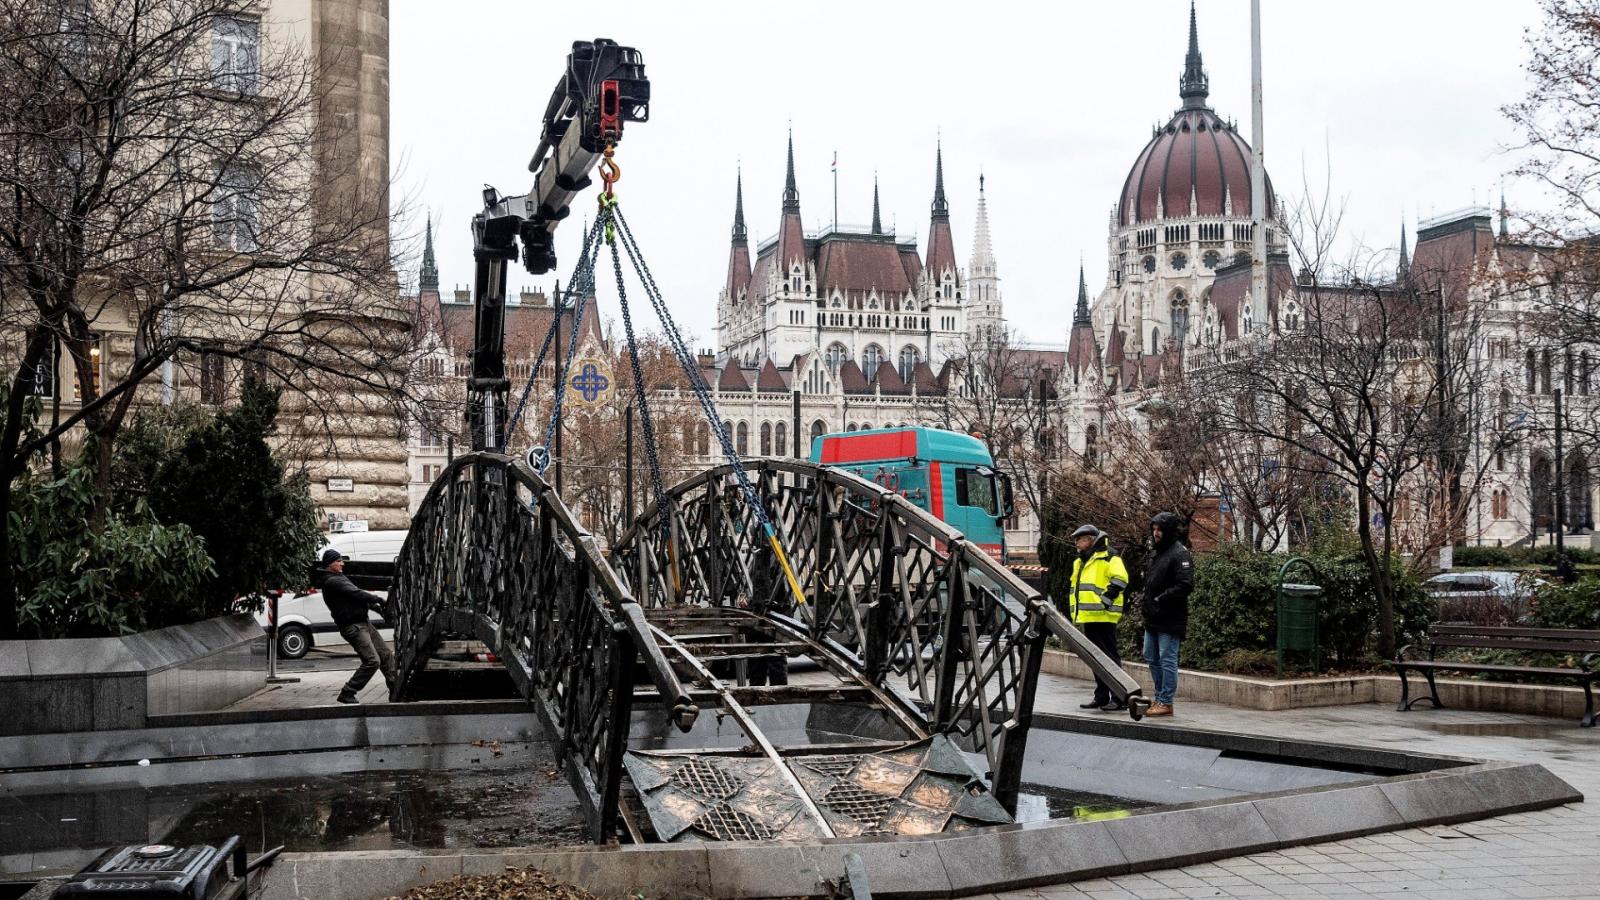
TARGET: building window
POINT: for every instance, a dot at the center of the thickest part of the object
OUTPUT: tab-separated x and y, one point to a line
702	439
1533	377
1180	261
871	357
909	357
1569	374
1501	505
780	439
1180	317
431	472
766	438
1583	373
742	444
1291	316
236	54
817	430
1149	263
96	362
235	218
428	439
1211	258
1544	372
213	381
835	357
1091	453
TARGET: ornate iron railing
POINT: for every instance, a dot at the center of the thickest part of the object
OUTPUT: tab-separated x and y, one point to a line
903	595
495	554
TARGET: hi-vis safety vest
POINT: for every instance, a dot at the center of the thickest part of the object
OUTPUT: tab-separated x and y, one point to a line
1090	583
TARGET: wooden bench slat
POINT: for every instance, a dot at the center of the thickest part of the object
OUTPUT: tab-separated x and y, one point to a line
1500	644
1575	634
1438	664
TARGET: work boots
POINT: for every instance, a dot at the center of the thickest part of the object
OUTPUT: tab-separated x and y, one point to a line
1159	709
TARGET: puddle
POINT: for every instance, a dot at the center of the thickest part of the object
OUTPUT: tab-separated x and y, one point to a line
1038	802
496	806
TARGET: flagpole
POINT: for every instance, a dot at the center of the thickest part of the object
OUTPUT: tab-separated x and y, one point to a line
835	190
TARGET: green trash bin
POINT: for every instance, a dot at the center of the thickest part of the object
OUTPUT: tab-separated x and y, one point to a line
1297	615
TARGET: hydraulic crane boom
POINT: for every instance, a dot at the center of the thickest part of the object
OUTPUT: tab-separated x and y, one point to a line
603	87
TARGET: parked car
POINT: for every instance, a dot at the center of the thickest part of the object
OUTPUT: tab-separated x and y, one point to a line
304	621
1483	597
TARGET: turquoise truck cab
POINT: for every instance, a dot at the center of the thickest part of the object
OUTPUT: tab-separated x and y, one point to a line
949	474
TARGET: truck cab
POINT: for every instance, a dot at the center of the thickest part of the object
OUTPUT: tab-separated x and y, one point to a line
949	474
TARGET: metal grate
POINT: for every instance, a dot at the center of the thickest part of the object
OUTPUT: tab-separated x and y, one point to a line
725	823
705	780
832	766
863	806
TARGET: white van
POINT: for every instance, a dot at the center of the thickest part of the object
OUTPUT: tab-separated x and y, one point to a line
304	622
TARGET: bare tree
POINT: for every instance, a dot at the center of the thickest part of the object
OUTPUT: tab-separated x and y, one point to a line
175	185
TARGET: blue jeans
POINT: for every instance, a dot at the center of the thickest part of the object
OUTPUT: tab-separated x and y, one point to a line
1161	653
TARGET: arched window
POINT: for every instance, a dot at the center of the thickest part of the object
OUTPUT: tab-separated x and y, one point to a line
1533	376
1580	515
1211	330
870	358
1583	373
909	357
1569	374
817	430
1155	340
1291	316
1248	320
835	357
1541	490
1544	372
741	444
780	440
1091	453
766	438
1501	505
702	439
1180	317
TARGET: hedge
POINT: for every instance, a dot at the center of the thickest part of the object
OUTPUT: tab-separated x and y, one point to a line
1233	611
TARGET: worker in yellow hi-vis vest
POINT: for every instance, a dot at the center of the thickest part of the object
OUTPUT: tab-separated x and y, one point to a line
1099	580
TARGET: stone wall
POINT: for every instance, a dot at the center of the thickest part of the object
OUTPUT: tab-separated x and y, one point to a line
99	684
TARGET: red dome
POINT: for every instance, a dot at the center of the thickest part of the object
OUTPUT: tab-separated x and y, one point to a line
1196	152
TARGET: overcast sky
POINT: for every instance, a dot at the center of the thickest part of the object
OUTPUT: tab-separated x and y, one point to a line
1397	102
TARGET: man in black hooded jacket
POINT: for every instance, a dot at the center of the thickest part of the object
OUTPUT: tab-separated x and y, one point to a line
348	605
1168	580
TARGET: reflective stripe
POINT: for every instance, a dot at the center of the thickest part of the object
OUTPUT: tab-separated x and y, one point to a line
1119	582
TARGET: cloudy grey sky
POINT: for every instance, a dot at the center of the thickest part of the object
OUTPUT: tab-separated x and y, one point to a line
1397	101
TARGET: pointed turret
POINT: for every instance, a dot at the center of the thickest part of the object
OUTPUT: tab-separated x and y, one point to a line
740	234
428	279
1083	354
1080	316
941	247
1505	216
1193	86
1403	270
791	194
877	218
791	234
739	253
982	264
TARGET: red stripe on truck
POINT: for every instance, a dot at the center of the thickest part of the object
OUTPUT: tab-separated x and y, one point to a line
850	448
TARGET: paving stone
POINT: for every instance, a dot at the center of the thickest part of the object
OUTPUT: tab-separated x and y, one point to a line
1193	835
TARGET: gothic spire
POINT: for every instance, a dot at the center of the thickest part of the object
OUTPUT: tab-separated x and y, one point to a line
1403	271
877	219
791	194
428	280
1194	86
1505	215
983	262
1081	315
941	207
740	234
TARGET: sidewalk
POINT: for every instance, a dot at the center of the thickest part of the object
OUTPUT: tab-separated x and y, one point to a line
1551	853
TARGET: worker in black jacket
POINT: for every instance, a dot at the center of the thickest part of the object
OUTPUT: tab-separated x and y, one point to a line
348	605
1168	580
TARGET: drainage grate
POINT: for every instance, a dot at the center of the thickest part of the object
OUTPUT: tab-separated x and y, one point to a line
705	780
863	806
832	766
725	823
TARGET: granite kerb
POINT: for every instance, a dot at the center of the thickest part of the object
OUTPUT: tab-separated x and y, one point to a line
983	860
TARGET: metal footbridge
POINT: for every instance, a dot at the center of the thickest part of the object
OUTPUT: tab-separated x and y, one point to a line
651	664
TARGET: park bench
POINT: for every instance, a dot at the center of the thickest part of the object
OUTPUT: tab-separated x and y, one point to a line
1583	644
